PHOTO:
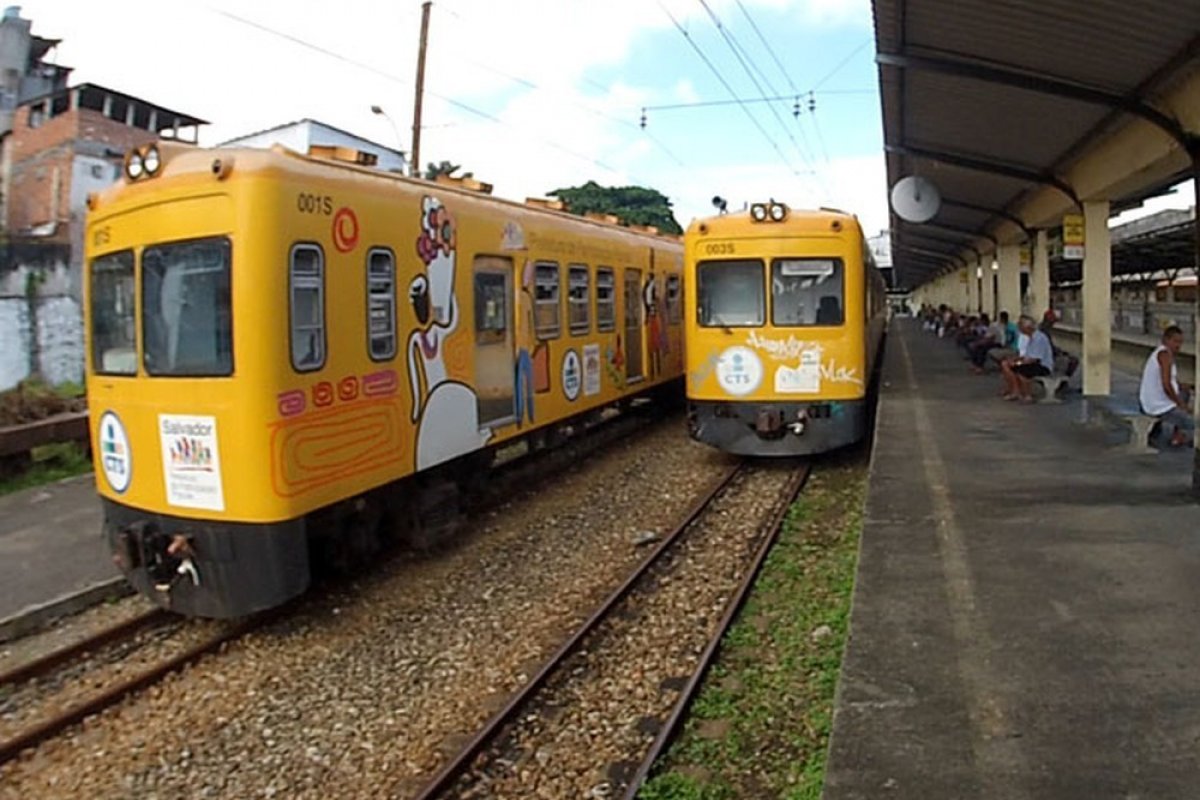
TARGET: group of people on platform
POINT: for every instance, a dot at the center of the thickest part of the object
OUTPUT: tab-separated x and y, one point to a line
1024	350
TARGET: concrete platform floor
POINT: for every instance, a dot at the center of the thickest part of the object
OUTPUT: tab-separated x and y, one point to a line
50	543
1026	618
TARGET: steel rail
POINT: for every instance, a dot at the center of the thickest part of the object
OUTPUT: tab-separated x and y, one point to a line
666	733
459	764
102	638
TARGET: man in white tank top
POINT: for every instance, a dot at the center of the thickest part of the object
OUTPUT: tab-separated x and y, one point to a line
1161	394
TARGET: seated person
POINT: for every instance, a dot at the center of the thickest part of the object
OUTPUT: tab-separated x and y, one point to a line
1036	360
992	338
1011	344
1161	394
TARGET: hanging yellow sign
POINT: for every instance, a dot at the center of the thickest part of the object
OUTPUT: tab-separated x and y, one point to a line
1073	237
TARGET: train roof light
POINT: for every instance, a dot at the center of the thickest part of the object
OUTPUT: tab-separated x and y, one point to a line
758	212
151	160
134	167
778	212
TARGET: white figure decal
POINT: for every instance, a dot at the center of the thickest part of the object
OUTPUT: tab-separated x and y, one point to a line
446	412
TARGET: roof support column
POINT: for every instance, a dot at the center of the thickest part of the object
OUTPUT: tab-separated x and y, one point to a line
1097	299
973	270
1039	275
1195	152
988	301
1010	279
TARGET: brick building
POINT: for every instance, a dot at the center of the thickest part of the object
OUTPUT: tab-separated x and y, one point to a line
69	143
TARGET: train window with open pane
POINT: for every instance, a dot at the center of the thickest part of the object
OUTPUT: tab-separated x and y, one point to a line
381	304
674	301
807	292
307	307
730	293
606	306
114	343
546	306
579	301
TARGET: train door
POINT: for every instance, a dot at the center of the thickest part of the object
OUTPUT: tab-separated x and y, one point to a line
495	341
633	326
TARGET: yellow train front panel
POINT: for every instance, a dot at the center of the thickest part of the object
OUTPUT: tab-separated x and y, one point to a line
783	314
272	335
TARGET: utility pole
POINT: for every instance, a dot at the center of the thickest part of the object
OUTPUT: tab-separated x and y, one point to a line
418	95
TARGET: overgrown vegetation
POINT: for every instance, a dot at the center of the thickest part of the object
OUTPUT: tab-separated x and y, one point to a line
760	726
635	205
32	400
47	464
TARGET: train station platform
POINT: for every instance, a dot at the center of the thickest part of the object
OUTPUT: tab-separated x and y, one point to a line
50	544
1026	604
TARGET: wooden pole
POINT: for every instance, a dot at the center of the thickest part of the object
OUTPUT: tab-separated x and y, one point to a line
418	95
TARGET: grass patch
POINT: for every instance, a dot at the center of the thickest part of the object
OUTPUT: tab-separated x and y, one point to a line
48	464
760	725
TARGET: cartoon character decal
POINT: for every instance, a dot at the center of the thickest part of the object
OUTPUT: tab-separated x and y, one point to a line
526	345
657	344
446	412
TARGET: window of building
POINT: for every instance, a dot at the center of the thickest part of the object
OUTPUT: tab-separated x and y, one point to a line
606	307
674	301
806	291
381	304
730	293
546	306
307	290
114	344
187	311
579	302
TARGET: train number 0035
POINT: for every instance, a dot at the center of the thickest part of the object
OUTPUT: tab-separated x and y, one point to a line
314	203
719	249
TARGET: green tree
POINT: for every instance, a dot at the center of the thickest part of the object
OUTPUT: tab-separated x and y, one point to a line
635	205
444	168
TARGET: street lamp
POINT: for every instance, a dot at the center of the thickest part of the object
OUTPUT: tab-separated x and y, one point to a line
378	110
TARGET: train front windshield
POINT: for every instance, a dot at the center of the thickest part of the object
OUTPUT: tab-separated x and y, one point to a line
805	292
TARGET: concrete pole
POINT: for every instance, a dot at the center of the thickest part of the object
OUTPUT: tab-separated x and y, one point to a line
973	287
1039	275
1097	299
964	287
1010	280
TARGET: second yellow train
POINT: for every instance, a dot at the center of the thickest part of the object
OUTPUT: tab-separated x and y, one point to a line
785	313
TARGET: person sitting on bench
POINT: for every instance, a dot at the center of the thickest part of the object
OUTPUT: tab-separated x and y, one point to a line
1161	394
1036	360
992	338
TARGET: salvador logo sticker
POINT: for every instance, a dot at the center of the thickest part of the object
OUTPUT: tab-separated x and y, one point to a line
116	461
572	374
191	461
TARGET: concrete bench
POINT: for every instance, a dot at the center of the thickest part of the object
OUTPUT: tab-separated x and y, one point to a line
1140	428
1051	386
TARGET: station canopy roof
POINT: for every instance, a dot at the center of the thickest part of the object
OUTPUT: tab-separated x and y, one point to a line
998	101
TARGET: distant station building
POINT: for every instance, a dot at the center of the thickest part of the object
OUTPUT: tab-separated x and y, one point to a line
318	138
24	71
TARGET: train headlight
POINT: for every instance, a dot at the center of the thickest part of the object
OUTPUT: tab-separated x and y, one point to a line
778	212
134	166
758	212
151	160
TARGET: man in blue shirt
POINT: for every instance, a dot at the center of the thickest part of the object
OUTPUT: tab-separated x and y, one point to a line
1037	360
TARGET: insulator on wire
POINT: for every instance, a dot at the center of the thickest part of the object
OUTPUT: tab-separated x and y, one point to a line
796	108
812	102
643	123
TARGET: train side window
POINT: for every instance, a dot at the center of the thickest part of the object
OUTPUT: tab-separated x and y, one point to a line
307	290
381	305
730	293
546	305
579	301
807	291
674	302
606	305
114	342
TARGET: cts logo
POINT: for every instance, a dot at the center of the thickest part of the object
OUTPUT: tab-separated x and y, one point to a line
739	371
116	462
571	375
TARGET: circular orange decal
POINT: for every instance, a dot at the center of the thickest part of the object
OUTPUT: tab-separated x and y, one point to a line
345	230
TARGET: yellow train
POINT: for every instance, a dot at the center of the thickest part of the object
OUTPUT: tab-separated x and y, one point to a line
284	348
785	314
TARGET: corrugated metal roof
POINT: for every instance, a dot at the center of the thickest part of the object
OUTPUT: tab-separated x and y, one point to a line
951	107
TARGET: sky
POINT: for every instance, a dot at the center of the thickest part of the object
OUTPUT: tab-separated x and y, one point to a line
530	95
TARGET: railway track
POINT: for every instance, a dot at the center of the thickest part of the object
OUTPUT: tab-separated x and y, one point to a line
478	769
59	717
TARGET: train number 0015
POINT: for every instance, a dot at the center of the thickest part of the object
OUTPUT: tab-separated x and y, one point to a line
719	249
314	203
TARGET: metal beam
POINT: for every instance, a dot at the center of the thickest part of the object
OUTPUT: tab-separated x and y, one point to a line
966	233
995	212
982	164
1043	84
958	243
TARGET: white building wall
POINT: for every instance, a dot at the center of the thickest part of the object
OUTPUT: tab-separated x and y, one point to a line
59	326
301	135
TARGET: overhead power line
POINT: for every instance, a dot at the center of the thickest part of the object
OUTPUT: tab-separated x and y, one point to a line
388	76
768	48
720	77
